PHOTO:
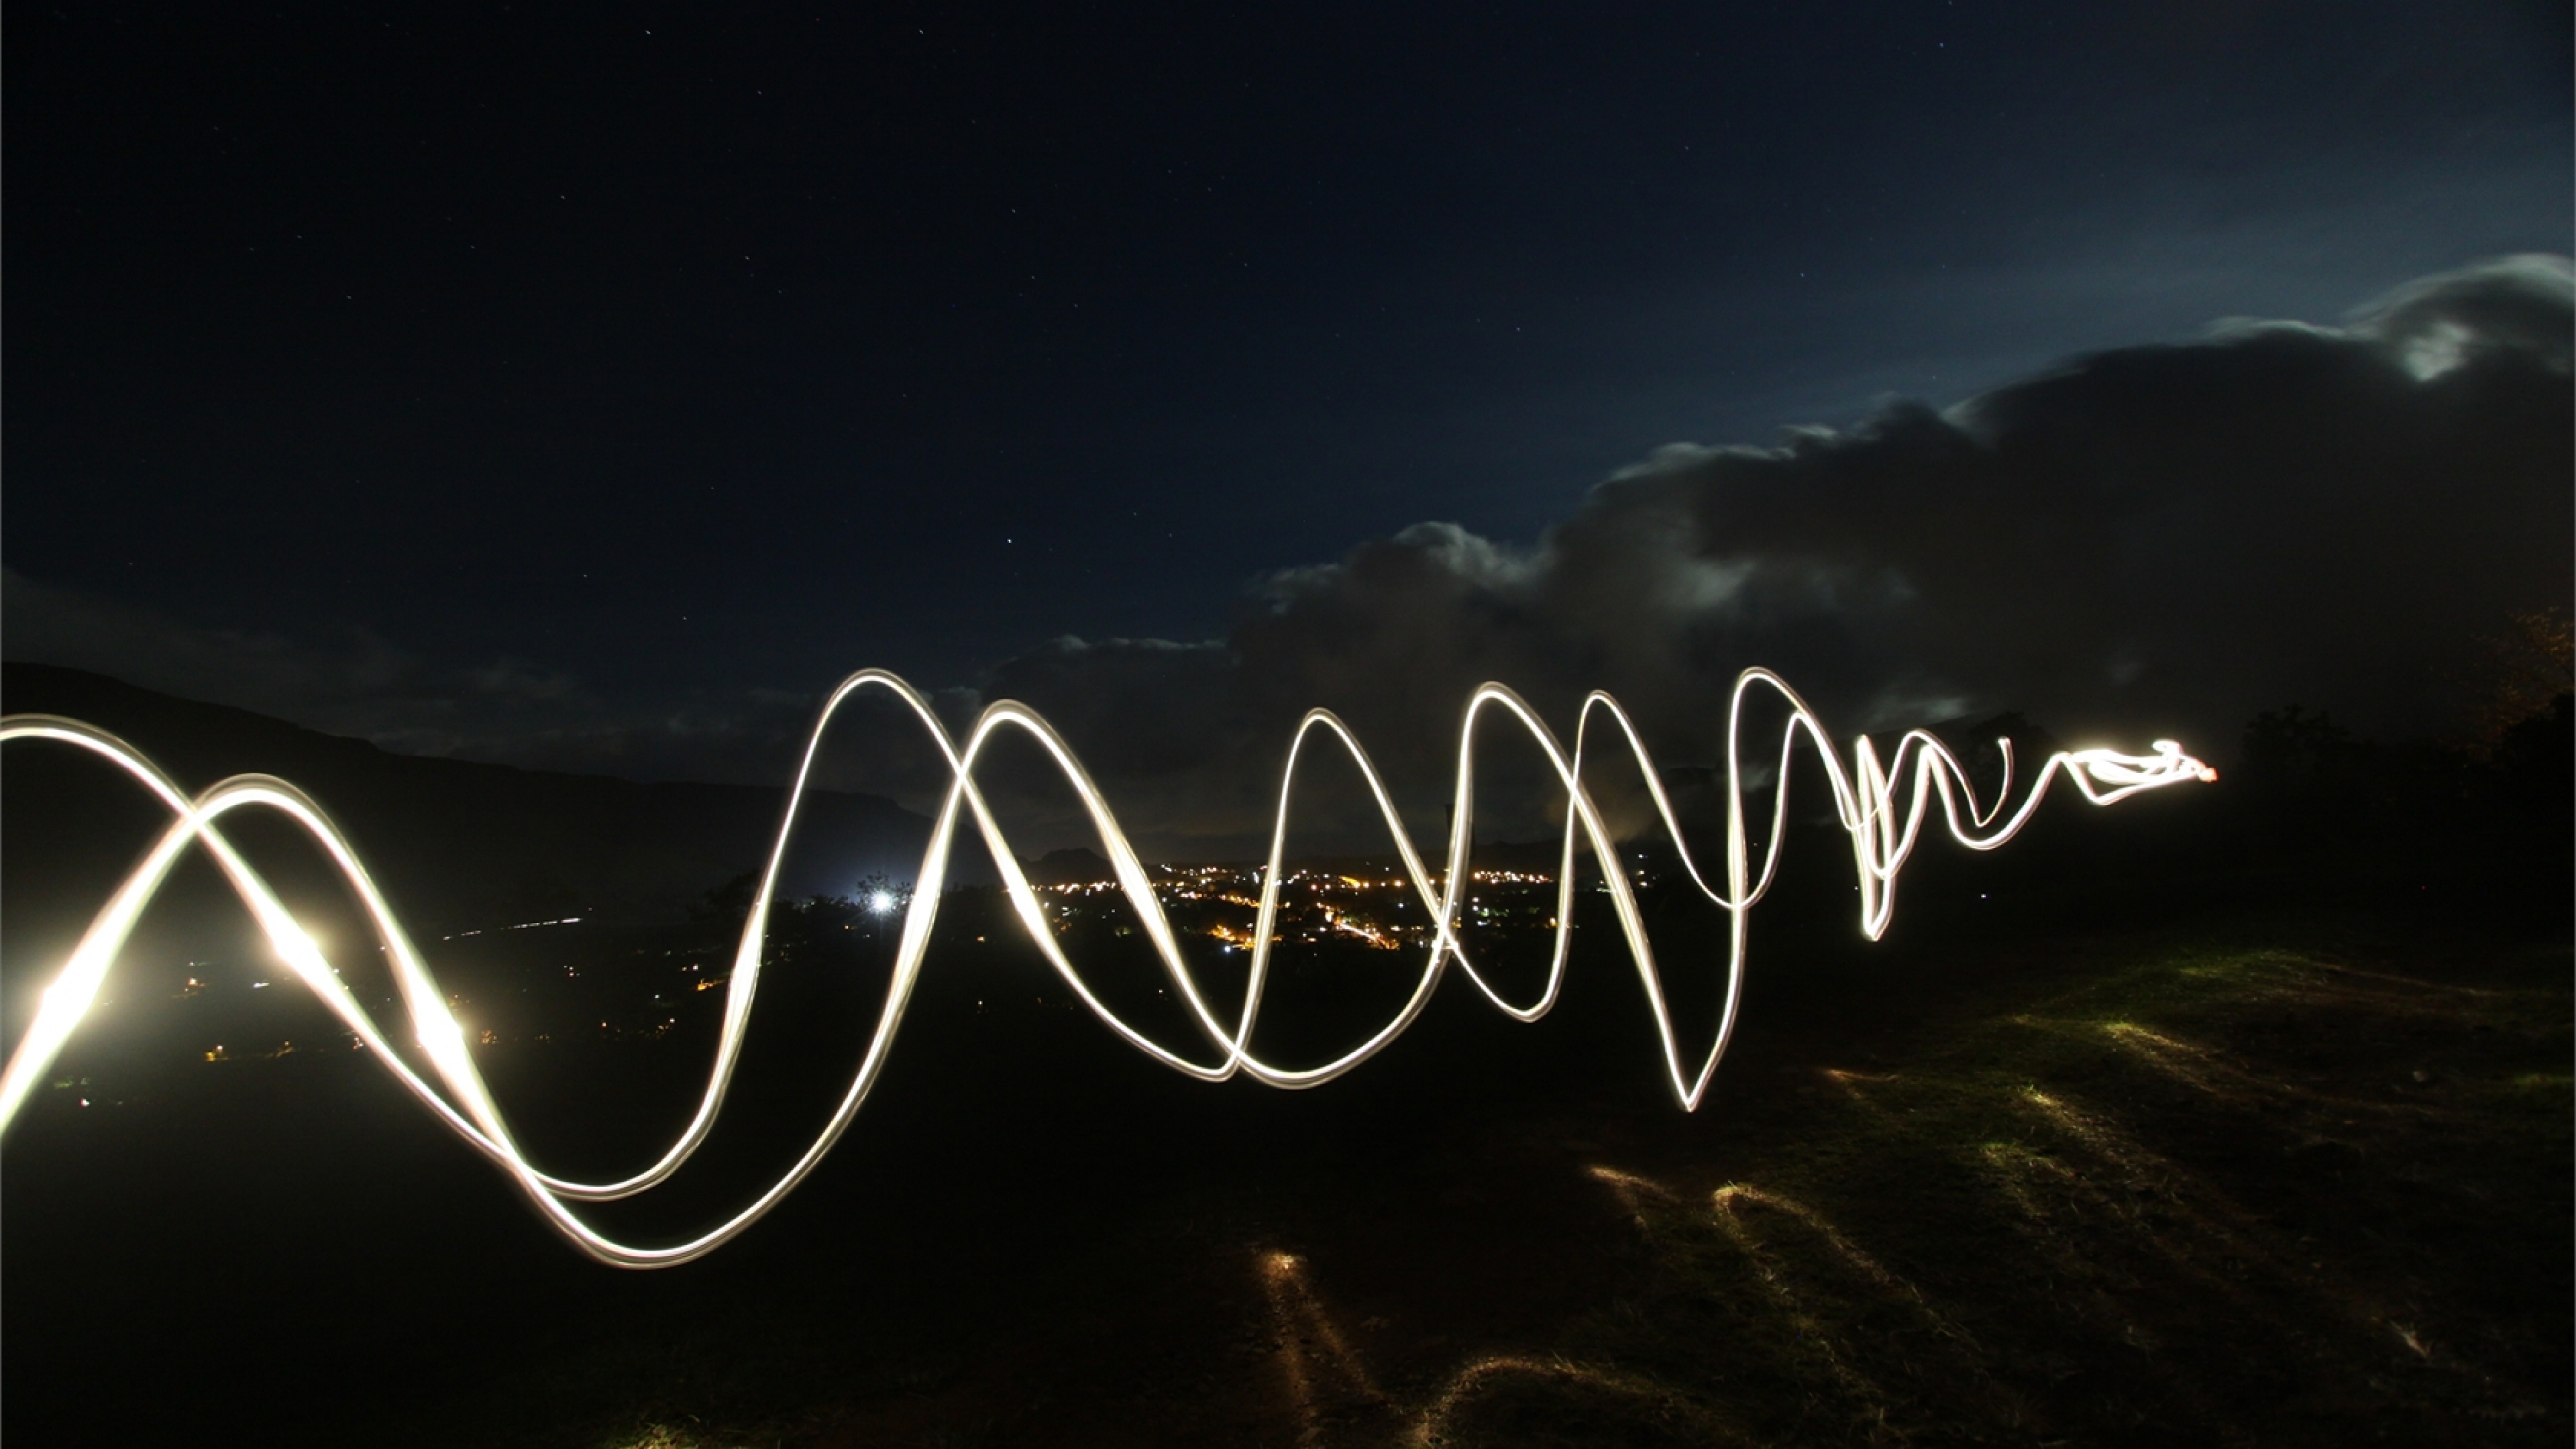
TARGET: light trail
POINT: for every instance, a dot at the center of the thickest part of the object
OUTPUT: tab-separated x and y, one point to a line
1882	804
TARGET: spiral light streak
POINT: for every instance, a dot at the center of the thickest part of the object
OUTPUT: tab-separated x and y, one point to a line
1882	804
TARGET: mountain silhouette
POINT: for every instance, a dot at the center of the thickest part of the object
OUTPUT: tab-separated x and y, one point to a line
455	844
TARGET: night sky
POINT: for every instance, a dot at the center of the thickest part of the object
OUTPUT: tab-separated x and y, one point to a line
592	389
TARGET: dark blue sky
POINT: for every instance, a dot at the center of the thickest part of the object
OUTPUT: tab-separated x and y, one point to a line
644	357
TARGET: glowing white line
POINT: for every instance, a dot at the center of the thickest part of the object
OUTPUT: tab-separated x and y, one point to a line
1883	832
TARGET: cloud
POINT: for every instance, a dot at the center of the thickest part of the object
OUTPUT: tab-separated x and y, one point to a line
2516	305
2149	541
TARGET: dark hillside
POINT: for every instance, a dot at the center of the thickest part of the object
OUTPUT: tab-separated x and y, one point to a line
457	845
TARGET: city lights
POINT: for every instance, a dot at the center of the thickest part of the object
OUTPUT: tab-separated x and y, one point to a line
1881	802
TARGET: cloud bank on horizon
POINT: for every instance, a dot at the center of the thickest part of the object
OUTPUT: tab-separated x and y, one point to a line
2150	541
2155	540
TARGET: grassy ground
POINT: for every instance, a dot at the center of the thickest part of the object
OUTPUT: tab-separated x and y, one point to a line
2275	1181
2255	1194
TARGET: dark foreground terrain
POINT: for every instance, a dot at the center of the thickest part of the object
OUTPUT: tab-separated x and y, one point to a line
2179	1123
2262	1179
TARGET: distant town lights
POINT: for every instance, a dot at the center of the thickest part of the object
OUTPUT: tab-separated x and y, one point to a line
1881	803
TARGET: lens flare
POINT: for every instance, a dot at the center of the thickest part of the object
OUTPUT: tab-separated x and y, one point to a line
1882	803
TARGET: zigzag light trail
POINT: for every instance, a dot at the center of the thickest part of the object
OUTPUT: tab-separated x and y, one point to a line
1882	805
